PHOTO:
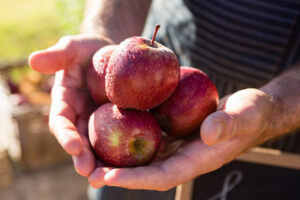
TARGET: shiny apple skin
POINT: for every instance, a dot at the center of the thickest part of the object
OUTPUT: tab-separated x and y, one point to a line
139	76
195	97
124	137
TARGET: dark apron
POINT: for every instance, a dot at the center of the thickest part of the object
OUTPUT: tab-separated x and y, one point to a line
239	44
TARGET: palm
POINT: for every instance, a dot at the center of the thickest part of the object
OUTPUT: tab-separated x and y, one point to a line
71	106
195	157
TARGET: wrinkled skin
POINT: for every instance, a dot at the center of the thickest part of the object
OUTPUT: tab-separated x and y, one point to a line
240	122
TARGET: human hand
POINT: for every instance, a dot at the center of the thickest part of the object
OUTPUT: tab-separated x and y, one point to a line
71	105
242	121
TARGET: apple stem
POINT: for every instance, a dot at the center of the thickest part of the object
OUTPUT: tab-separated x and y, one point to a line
154	34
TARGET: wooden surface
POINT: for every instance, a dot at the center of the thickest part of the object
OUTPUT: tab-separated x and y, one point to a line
258	155
184	191
271	157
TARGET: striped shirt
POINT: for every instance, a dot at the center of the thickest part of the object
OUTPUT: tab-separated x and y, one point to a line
238	43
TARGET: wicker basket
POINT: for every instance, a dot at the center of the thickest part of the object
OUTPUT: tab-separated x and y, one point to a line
39	148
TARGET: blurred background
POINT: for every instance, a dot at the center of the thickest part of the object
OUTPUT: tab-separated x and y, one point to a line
32	164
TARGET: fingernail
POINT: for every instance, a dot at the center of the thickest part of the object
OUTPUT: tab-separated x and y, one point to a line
218	126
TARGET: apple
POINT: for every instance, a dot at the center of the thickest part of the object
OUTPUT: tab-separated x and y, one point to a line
124	137
141	74
195	97
96	74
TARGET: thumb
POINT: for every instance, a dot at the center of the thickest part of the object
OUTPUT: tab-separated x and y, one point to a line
244	112
219	126
69	51
55	58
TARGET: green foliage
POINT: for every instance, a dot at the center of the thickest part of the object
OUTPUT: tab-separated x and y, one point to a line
26	26
71	15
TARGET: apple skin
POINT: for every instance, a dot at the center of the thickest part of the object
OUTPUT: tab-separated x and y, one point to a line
194	99
124	137
139	76
96	74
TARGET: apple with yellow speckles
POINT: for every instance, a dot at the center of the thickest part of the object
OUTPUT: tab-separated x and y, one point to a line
141	74
124	137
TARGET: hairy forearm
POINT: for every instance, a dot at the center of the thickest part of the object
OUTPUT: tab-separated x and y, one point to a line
115	19
284	92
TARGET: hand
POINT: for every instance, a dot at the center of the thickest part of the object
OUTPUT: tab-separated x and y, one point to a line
242	121
71	105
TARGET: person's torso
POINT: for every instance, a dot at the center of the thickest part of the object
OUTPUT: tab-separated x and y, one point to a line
239	44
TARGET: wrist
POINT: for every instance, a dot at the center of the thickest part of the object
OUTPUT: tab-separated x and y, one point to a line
96	37
90	29
273	104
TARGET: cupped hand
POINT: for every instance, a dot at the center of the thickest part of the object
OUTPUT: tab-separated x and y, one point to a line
241	121
71	105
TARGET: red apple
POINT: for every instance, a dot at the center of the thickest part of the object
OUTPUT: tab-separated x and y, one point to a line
195	97
124	138
141	74
96	74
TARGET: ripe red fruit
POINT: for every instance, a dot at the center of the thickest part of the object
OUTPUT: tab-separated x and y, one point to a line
141	75
124	138
96	74
195	97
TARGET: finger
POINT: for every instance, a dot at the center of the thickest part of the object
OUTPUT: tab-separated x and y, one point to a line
177	169
218	126
151	178
244	112
69	51
66	105
66	134
222	103
194	159
62	123
84	163
96	178
60	56
162	176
